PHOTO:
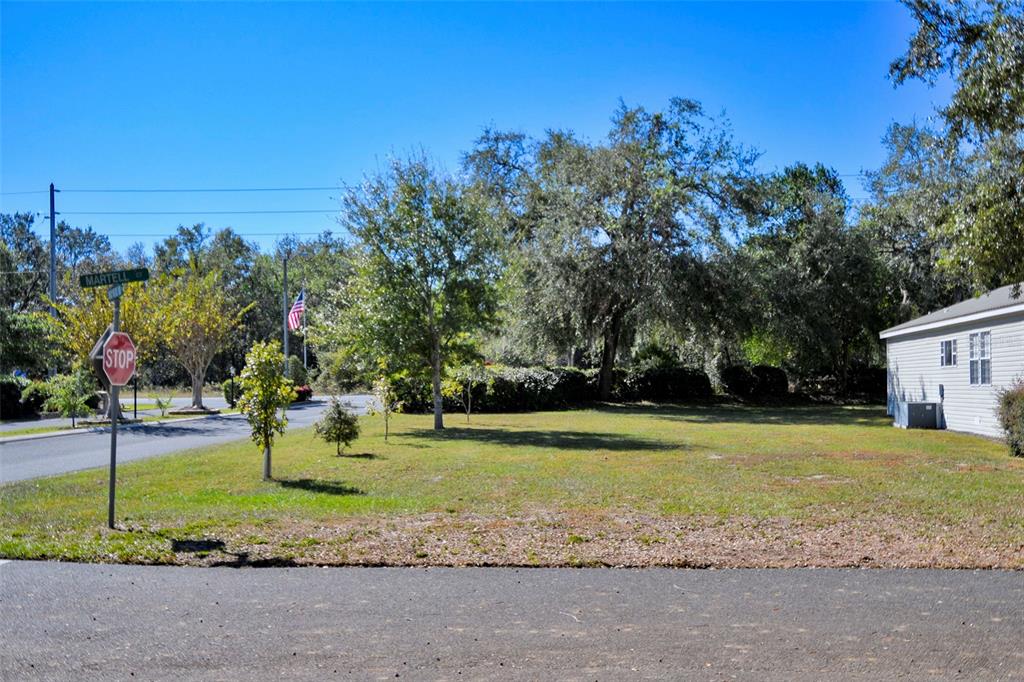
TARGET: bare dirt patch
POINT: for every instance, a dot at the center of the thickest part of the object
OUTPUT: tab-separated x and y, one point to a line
628	540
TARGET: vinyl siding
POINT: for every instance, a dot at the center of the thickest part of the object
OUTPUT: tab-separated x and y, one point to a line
914	372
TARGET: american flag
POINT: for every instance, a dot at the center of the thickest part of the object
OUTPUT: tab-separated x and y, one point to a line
297	311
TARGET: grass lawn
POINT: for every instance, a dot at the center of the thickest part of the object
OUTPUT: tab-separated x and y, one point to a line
627	485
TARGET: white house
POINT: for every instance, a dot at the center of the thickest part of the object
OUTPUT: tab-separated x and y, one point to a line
958	358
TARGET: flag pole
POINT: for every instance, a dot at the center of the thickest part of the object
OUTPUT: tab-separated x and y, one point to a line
304	327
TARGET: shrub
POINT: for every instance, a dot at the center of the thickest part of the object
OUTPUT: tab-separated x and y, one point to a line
336	375
232	389
163	404
521	389
573	386
739	381
34	396
1011	416
302	393
667	384
414	393
770	382
866	381
11	406
69	394
296	372
337	425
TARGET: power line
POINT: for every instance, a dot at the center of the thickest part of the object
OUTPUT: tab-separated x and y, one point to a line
33	191
240	234
208	189
311	210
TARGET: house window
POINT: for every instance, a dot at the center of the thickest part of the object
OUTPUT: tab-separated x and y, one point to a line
947	353
981	358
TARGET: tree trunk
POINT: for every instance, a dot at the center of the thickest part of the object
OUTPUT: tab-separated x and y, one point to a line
197	390
606	378
266	463
435	365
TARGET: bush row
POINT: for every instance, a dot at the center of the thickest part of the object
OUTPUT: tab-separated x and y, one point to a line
523	389
759	382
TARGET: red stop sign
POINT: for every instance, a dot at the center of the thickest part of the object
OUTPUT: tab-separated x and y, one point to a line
119	358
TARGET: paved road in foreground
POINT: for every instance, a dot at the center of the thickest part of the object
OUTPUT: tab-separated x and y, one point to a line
67	621
53	455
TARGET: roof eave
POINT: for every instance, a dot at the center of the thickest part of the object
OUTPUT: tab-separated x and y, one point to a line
893	332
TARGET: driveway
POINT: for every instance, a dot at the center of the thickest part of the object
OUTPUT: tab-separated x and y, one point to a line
32	458
68	621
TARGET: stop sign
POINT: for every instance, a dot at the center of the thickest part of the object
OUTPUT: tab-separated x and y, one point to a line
119	358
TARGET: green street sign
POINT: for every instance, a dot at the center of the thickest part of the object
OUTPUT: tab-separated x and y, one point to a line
107	279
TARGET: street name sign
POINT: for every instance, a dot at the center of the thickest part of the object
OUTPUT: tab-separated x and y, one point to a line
107	279
119	358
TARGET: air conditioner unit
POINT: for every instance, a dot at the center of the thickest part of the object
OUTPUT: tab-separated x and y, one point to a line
918	415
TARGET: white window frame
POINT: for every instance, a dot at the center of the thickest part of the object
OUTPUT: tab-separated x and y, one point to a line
951	343
980	352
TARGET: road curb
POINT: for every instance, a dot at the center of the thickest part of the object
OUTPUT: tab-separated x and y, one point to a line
105	429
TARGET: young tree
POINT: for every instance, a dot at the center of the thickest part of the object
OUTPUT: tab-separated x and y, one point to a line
427	261
69	393
265	392
465	382
196	319
386	401
337	425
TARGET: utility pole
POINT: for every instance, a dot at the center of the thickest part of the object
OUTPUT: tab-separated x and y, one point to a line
53	253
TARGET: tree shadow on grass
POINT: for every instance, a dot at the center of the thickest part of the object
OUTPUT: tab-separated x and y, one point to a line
316	485
360	455
788	415
561	440
204	546
190	545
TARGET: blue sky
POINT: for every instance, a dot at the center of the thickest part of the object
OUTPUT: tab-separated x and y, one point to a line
100	96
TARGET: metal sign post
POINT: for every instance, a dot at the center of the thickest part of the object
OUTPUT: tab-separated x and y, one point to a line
115	409
116	357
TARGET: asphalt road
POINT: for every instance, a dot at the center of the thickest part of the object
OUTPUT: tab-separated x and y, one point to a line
68	621
24	459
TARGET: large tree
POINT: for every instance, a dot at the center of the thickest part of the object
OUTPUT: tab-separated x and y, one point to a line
426	263
817	277
980	45
914	194
196	318
609	231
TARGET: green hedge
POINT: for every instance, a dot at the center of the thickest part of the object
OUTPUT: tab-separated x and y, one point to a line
1011	415
527	389
759	382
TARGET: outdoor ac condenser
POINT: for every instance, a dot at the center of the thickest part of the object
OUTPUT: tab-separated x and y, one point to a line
916	415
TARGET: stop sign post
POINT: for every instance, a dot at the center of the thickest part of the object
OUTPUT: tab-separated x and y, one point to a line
118	356
119	365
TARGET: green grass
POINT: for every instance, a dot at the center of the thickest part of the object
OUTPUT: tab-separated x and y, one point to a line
686	462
